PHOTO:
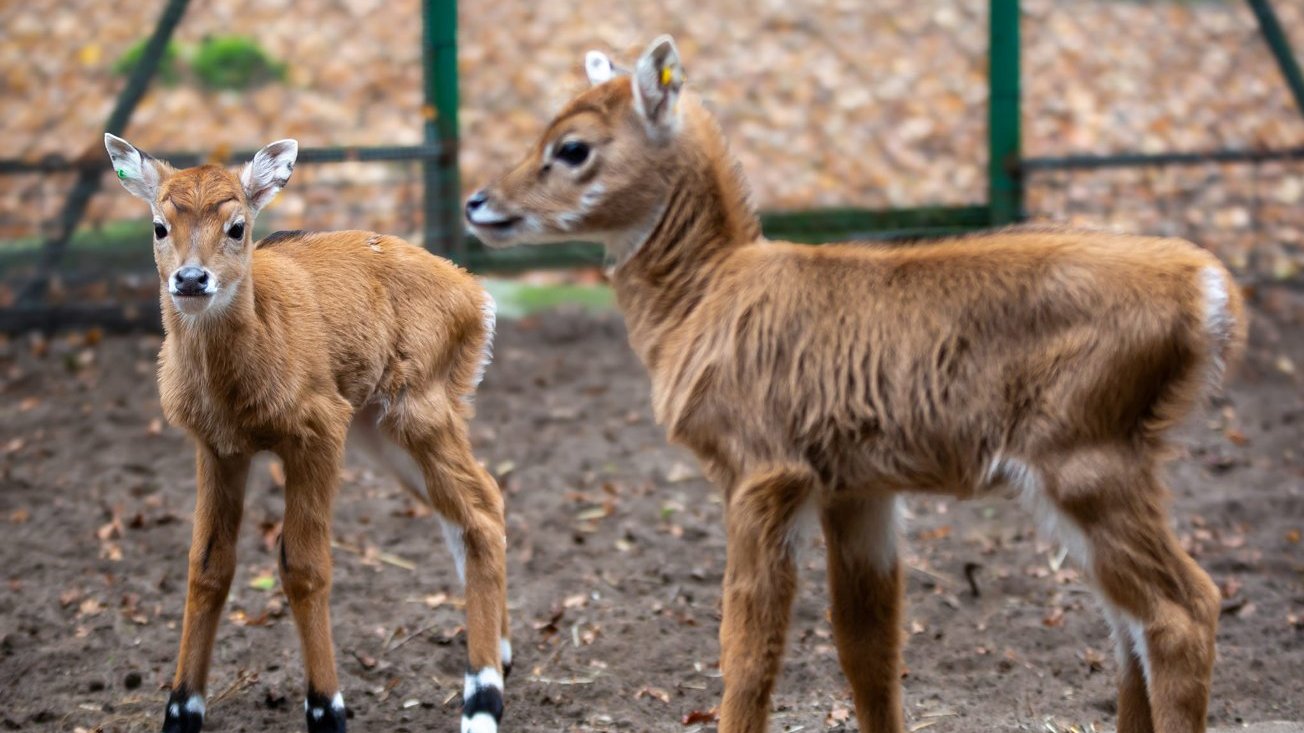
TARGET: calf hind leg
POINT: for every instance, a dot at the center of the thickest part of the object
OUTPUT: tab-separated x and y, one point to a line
1163	606
1134	714
866	586
471	506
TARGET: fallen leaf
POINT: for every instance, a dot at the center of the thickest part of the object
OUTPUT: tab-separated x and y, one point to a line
1053	619
655	693
837	716
680	471
69	597
700	716
263	582
939	533
1230	588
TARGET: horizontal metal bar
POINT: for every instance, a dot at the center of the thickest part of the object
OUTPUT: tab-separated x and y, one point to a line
1140	160
59	164
114	318
825	225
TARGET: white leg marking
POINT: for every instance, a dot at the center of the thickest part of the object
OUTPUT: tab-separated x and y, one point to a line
505	652
1031	494
456	546
1129	638
195	705
175	710
481	721
1136	631
337	704
802	523
487	677
883	523
399	463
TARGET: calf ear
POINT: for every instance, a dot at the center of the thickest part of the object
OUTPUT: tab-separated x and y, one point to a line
136	170
658	79
269	171
599	67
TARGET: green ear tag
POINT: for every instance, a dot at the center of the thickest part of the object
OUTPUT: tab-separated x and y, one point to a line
122	173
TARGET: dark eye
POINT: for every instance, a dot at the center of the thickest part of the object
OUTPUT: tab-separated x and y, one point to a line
160	231
236	231
573	153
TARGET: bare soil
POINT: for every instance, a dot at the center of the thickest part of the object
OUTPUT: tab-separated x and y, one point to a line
616	552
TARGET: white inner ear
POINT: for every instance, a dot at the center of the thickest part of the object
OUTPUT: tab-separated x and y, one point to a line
137	175
268	172
599	67
657	79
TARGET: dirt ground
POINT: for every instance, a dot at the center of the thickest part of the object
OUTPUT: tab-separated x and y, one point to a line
616	552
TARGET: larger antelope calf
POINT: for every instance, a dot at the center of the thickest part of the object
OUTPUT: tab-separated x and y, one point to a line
830	379
283	345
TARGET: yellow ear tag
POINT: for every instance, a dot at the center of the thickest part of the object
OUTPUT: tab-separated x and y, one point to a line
667	76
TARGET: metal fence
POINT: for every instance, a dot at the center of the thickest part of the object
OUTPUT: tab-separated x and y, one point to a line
916	108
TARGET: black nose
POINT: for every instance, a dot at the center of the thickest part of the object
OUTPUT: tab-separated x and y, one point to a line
478	199
190	281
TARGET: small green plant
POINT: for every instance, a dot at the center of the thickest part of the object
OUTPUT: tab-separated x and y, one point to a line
234	62
218	62
169	66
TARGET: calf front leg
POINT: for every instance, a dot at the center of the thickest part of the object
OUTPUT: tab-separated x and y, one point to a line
312	476
219	504
759	583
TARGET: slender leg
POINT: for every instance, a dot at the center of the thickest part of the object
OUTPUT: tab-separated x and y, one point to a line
866	587
470	506
219	504
1134	714
759	584
312	476
1165	606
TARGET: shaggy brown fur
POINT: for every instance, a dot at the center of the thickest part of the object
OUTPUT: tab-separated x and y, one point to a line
296	340
827	379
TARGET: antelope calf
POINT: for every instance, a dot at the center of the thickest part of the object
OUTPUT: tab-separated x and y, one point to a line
827	380
286	345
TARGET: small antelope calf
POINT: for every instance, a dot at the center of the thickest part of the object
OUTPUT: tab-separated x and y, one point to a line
287	345
827	380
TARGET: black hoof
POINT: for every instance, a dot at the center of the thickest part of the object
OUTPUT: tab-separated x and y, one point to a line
325	714
184	712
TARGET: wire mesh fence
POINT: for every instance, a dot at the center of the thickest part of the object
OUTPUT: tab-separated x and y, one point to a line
849	118
1171	118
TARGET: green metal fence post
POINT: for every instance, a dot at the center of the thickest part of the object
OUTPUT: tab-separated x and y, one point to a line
1280	45
442	180
1005	185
